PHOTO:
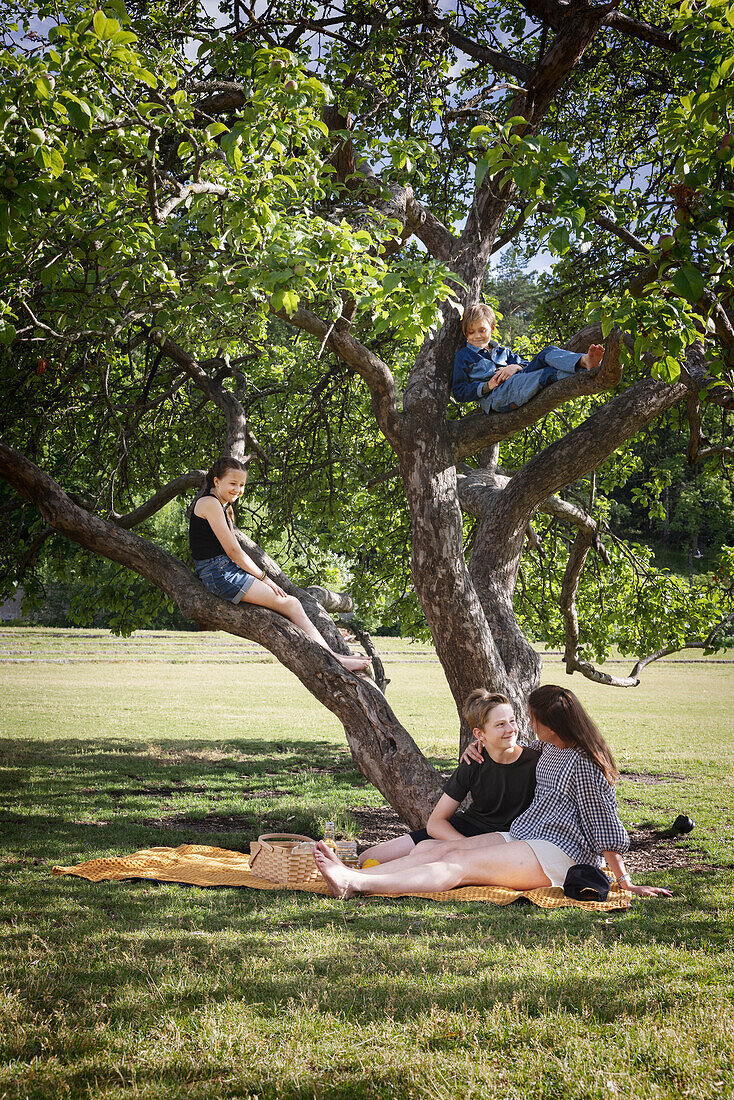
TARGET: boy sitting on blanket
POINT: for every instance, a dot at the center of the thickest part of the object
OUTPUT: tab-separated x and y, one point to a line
500	779
497	377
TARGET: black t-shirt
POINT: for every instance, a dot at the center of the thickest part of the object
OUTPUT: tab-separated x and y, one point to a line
500	792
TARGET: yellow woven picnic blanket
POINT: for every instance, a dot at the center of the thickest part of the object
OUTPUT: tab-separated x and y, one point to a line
200	865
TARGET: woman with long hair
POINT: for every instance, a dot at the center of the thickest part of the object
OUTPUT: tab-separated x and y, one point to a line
224	568
572	819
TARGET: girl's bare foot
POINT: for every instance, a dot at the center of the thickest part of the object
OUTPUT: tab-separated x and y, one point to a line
338	878
592	358
353	661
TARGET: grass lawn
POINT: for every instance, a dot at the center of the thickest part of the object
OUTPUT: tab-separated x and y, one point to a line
134	990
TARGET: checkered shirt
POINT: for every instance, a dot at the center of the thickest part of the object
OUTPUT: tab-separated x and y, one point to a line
574	807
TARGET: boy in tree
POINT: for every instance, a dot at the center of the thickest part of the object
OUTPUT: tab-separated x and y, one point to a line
497	377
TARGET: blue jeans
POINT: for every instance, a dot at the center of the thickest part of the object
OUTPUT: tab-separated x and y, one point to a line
547	366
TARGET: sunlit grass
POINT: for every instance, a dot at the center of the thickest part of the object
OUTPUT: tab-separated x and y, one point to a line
136	990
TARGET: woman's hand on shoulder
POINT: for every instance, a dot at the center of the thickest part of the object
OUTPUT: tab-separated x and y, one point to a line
473	753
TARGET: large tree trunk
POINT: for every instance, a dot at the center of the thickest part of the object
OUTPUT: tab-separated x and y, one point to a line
464	642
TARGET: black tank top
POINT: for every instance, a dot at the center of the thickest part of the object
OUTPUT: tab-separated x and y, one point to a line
203	543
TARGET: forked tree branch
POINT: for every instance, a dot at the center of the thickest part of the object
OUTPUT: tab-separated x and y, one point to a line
194	479
226	402
362	361
553	12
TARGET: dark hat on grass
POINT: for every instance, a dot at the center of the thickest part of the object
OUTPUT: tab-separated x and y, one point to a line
584	882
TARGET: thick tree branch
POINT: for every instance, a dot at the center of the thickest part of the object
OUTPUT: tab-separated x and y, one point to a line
384	750
194	479
643	32
584	448
720	450
335	602
494	59
431	232
362	361
478	490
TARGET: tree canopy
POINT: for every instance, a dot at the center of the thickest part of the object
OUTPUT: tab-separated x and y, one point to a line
254	234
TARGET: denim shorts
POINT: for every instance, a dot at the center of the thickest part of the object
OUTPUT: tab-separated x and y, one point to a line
223	577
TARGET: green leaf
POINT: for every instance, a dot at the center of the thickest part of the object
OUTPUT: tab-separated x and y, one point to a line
50	159
290	302
607	324
559	240
689	283
667	369
391	281
44	87
523	176
480	172
145	76
284	299
105	28
80	112
578	217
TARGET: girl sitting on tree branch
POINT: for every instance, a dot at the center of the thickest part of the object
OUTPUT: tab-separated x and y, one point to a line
225	569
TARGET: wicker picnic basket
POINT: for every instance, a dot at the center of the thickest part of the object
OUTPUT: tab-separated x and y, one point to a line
285	858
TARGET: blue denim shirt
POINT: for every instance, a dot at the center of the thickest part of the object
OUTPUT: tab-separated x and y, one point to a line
475	366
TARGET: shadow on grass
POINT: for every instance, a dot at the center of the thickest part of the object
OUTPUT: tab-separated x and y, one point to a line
75	799
172	953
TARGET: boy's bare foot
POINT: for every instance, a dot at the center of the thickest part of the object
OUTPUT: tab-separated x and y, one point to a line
337	877
353	661
592	358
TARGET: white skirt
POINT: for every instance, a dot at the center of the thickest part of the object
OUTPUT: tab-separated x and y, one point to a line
552	859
